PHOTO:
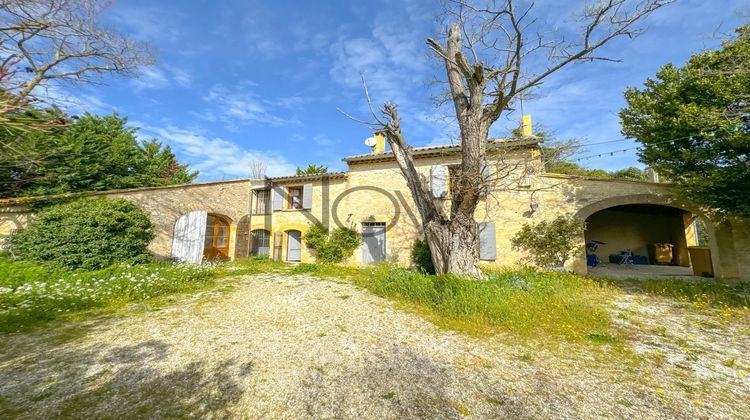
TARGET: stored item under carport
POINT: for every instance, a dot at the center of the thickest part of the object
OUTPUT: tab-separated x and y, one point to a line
663	253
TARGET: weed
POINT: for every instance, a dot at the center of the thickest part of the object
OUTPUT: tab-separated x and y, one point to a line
525	357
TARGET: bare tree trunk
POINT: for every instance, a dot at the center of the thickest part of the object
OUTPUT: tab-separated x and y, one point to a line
480	92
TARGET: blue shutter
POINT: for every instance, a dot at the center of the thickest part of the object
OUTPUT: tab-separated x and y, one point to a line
278	198
307	196
487	241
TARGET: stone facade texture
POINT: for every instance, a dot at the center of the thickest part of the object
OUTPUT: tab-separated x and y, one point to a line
375	191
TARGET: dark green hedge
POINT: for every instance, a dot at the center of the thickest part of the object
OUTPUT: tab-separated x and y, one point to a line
86	234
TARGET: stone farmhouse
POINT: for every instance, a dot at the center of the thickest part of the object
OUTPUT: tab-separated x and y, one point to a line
269	217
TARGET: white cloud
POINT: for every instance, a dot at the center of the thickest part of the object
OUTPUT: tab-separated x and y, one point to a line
148	23
323	140
214	157
76	104
243	106
154	77
392	58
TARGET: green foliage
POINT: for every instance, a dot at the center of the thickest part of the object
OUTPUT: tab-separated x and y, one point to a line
569	168
334	247
312	170
632	173
91	153
694	125
557	156
525	303
86	234
251	265
31	294
421	257
550	243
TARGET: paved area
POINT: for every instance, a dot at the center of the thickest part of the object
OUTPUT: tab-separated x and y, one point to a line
297	347
642	272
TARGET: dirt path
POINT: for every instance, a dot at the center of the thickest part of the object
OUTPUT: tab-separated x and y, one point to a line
294	347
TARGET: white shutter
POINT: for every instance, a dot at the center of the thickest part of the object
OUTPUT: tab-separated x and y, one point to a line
250	203
487	242
188	238
486	170
307	196
277	194
486	181
439	181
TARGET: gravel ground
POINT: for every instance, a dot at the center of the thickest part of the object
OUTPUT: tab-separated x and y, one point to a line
298	347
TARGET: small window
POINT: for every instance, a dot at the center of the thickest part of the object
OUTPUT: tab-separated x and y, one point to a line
261	201
295	197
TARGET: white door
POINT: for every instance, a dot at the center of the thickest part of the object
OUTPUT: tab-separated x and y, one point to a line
293	245
373	242
188	238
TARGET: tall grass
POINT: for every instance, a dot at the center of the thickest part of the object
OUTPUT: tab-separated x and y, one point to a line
31	294
700	293
524	303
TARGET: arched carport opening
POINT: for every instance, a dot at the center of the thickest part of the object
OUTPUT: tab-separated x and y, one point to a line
643	236
199	235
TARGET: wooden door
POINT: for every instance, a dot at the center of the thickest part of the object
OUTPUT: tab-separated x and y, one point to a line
216	245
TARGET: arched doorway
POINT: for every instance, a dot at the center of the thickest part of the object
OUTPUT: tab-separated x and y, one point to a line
216	241
645	209
261	243
639	239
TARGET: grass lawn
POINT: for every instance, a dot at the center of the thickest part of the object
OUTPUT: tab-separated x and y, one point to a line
519	343
526	303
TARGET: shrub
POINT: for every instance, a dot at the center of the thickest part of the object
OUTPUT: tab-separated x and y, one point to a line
421	257
86	234
550	243
332	247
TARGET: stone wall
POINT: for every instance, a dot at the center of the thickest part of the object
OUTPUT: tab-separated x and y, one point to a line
377	192
165	205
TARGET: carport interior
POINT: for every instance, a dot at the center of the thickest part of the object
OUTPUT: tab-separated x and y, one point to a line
636	228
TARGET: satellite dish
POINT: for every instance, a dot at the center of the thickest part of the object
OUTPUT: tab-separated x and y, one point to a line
370	141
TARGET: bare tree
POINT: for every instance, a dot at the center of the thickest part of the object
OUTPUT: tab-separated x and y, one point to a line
491	53
45	42
258	168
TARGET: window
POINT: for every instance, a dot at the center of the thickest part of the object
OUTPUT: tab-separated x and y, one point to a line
261	243
262	198
295	197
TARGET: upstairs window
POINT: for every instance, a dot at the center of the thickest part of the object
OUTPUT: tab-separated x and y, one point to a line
262	198
295	198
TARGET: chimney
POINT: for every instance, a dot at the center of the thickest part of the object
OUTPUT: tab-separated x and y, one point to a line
379	143
526	129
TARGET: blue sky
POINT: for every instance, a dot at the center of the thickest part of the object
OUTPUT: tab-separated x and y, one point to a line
242	80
